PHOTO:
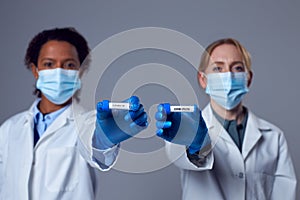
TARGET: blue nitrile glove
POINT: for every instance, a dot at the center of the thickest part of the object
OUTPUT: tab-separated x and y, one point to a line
184	128
115	126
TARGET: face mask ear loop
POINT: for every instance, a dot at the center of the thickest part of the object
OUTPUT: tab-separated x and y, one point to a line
246	69
37	71
247	77
203	74
246	72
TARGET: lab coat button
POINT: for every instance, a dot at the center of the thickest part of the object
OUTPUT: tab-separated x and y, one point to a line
241	175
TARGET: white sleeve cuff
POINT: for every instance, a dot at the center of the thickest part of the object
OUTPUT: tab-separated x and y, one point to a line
178	155
105	158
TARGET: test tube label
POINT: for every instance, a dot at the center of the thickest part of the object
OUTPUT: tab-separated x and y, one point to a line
182	108
120	106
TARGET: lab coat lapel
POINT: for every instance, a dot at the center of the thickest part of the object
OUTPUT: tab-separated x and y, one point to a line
216	130
60	121
28	126
25	154
252	134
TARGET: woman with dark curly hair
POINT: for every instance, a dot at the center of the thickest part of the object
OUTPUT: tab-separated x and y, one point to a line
41	156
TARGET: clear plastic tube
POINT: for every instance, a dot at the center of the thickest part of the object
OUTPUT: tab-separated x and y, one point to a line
178	108
107	105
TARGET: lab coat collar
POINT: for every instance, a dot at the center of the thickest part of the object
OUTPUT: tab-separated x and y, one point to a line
216	130
60	121
29	116
253	132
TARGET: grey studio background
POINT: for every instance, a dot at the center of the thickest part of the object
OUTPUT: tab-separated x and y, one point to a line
268	29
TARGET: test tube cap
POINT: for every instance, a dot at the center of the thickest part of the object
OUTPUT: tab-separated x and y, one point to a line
105	105
167	107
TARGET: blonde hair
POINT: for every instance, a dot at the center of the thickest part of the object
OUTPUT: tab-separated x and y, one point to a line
210	48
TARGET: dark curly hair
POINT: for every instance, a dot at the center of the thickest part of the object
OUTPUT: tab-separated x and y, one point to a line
68	34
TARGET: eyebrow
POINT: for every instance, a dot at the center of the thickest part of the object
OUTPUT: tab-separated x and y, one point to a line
221	62
237	62
68	59
217	62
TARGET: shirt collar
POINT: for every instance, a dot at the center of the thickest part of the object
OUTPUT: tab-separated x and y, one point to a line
50	116
226	123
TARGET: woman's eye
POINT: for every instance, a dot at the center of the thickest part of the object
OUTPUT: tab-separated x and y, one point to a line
217	69
47	64
70	65
238	68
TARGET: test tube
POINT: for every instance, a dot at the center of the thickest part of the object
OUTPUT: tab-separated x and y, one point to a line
106	105
177	108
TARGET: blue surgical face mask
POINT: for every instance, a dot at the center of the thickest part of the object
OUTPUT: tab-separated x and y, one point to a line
227	89
58	85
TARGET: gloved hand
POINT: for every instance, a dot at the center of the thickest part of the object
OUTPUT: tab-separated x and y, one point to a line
184	128
115	126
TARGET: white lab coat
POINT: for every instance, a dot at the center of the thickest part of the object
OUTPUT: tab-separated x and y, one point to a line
263	171
54	168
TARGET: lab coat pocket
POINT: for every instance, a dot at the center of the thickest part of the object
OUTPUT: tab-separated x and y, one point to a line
260	185
62	169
